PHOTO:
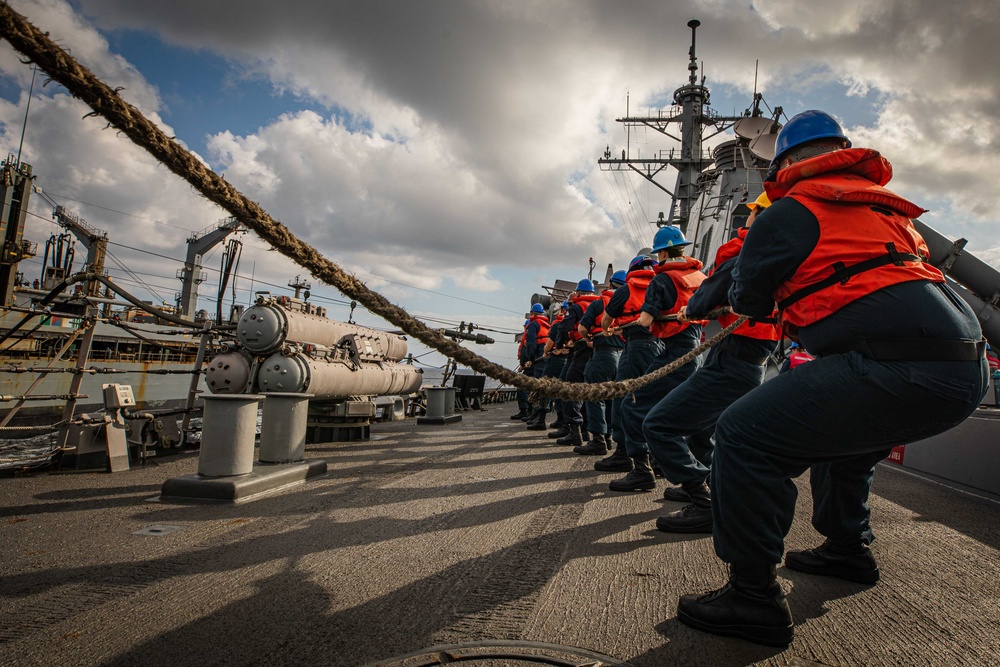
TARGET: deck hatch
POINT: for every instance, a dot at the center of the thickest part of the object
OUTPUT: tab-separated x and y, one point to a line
502	652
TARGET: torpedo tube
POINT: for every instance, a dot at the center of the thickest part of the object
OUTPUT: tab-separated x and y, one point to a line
229	373
272	322
332	379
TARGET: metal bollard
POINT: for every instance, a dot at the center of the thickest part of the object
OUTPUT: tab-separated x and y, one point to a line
283	427
227	435
440	401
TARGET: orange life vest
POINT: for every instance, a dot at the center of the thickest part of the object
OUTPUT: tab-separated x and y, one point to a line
597	329
757	330
606	295
559	318
582	300
685	273
637	282
866	237
543	328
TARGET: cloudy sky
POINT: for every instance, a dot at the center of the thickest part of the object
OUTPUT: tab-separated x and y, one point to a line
446	150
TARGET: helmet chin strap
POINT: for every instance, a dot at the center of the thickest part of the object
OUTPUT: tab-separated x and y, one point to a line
772	172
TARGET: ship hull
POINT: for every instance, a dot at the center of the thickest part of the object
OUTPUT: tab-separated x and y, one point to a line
152	391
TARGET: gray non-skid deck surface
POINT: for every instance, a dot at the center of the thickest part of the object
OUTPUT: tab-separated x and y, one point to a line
431	535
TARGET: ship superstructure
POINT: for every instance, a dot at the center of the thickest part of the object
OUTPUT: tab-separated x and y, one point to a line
714	180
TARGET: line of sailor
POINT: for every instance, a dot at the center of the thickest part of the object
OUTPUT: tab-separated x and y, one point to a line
839	255
620	334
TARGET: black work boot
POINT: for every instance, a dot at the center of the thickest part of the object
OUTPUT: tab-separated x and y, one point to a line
561	432
696	517
521	414
852	562
676	494
571	438
597	446
617	462
539	423
750	606
558	423
640	478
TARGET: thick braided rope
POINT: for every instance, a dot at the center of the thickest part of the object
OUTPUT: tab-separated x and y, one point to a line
82	83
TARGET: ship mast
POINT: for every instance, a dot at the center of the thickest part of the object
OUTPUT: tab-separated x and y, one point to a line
691	112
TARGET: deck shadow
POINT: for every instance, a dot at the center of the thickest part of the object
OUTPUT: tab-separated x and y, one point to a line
687	646
978	518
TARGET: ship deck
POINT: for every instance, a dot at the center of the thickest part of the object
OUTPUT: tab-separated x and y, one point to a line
475	532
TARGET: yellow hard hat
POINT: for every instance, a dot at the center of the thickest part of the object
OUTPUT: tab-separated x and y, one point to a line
762	201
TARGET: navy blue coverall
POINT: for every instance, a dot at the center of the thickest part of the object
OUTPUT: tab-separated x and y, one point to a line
602	367
523	405
533	350
641	347
679	429
572	411
661	295
554	366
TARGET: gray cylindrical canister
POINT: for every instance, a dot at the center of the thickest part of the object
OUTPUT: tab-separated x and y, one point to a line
227	436
283	427
440	401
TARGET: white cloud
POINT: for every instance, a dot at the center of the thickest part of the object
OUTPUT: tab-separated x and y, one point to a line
820	19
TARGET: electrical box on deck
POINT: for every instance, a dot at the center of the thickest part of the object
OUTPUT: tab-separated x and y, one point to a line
117	396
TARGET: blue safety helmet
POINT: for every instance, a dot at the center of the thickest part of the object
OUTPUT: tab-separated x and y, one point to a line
805	127
669	237
565	305
585	286
638	262
618	277
537	308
